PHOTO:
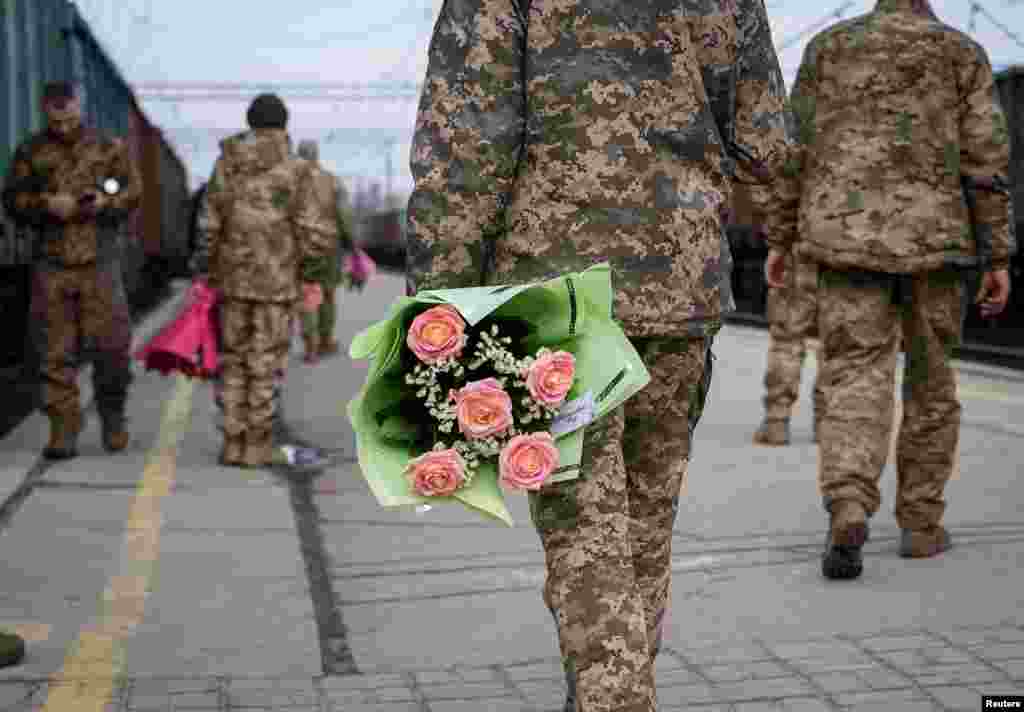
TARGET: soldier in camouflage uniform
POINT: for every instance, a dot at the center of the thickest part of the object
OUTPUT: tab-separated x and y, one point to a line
792	317
77	187
553	134
265	213
303	452
318	326
895	115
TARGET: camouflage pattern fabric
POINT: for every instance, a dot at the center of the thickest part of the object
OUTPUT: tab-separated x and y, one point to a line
793	319
607	536
321	322
894	111
266	212
864	316
45	164
326	269
84	313
553	134
256	337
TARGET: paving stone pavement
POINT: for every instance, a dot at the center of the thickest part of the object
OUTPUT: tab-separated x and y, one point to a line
926	670
266	583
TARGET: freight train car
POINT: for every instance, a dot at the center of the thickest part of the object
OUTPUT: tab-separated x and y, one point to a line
1000	340
46	40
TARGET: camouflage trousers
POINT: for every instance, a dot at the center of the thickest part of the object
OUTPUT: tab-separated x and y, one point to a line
864	316
607	536
256	338
84	315
793	319
321	322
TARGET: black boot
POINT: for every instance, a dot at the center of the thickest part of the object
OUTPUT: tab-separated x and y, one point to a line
12	649
848	531
115	434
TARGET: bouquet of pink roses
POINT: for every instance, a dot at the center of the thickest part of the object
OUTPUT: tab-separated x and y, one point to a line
475	391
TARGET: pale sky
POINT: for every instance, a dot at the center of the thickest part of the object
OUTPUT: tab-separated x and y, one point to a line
314	41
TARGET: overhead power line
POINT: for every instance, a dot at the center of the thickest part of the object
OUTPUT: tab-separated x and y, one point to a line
235	98
978	9
389	84
836	14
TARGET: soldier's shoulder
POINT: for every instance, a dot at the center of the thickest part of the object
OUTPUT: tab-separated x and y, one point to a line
32	143
967	45
840	29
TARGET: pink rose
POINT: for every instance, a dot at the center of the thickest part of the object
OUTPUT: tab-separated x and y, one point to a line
527	461
437	334
483	408
437	473
550	377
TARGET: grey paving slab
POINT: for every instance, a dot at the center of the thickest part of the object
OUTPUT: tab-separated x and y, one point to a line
58	556
14	693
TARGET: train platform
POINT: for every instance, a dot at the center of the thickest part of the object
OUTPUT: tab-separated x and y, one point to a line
157	580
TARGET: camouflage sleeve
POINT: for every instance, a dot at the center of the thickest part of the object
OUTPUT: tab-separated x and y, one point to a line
128	198
199	261
760	139
316	217
985	162
344	219
209	224
23	191
781	217
467	141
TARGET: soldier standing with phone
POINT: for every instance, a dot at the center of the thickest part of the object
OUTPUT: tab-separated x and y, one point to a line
77	186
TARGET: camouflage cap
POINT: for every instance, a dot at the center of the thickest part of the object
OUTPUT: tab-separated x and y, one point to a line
57	96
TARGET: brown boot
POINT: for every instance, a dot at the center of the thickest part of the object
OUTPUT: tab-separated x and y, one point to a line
328	346
312	349
232	452
259	448
64	430
115	435
924	543
773	432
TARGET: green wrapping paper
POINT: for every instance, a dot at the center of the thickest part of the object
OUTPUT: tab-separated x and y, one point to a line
570	313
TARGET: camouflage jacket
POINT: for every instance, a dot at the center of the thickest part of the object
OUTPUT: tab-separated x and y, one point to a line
264	214
898	129
554	134
44	164
327	269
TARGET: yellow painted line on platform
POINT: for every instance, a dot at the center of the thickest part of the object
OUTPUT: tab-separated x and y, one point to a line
96	661
988	392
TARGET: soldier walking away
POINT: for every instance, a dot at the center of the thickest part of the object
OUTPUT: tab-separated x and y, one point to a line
77	187
895	115
318	326
555	135
265	212
303	452
792	318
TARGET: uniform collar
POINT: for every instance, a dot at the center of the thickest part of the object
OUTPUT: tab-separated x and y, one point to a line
911	7
70	139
